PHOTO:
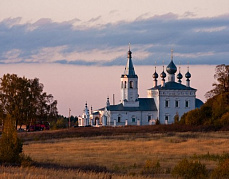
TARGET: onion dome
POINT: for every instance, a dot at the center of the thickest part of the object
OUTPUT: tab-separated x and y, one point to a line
171	68
179	76
129	54
155	75
188	75
163	74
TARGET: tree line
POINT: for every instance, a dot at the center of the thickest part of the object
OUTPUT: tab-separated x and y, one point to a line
216	109
25	101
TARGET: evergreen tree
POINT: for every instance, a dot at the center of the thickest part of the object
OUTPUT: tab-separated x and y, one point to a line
10	144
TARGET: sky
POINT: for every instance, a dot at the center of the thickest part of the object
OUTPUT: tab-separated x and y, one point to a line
86	32
73	85
78	46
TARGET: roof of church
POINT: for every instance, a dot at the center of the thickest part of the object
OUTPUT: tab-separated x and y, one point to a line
173	86
198	103
145	104
129	69
171	68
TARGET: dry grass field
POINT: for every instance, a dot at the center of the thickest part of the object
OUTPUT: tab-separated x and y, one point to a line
118	156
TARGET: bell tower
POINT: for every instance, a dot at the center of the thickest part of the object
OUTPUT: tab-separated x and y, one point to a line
129	84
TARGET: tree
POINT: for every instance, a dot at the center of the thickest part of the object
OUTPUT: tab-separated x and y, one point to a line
10	145
25	100
193	117
222	77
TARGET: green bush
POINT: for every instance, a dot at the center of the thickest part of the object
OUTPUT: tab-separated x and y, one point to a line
222	171
190	170
61	123
10	144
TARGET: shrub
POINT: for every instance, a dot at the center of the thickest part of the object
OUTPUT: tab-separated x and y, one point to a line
193	117
190	170
157	122
151	167
59	124
10	144
26	161
224	120
176	118
222	171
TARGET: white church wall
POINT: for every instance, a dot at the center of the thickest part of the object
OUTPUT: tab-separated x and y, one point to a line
122	118
174	102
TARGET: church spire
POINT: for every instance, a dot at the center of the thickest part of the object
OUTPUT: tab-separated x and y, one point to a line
129	84
171	54
129	69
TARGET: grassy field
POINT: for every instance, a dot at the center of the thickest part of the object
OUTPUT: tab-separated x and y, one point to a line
118	156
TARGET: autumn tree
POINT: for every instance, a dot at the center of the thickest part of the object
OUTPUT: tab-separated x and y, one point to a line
222	77
10	144
25	100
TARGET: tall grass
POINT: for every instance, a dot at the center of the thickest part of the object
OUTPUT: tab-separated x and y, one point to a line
127	154
42	173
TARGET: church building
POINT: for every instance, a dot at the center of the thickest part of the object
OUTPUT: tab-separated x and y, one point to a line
164	101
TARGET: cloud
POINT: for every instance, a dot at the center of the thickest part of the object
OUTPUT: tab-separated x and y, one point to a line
95	19
197	40
212	29
189	14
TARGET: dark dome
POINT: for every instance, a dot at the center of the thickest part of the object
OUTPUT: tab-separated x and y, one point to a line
155	75
129	54
163	74
179	76
171	68
188	75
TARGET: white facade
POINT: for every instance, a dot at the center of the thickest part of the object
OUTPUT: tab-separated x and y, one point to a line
122	118
172	102
84	120
163	101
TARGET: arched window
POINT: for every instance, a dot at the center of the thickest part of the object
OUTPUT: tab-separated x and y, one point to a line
131	84
125	85
122	84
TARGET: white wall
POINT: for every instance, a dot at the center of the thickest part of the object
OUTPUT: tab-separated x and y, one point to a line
171	110
142	116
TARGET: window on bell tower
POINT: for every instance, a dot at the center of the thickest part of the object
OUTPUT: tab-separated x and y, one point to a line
125	85
176	103
131	84
166	103
187	104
